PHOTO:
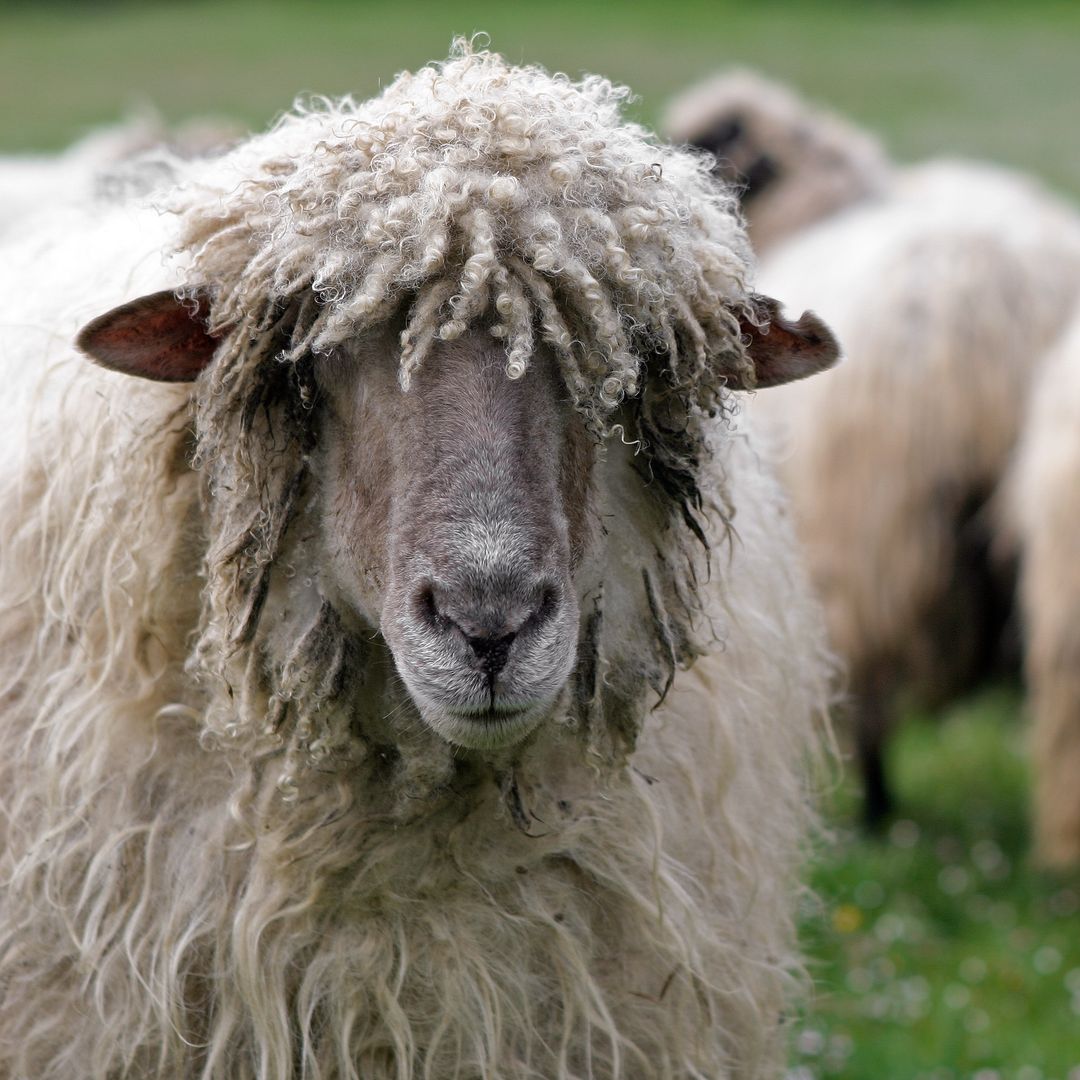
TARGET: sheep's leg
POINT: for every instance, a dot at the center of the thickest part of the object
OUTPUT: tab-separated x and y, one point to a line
871	713
1056	760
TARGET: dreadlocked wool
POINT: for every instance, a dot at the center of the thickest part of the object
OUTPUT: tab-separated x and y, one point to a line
473	186
213	865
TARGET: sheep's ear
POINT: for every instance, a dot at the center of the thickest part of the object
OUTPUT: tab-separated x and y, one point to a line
784	351
155	337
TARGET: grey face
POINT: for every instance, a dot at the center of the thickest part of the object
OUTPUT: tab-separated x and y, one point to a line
455	517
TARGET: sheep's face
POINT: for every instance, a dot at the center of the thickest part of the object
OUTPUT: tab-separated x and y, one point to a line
742	159
454	516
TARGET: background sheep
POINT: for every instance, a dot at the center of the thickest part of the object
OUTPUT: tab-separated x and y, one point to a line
1042	493
794	163
945	296
330	757
946	282
102	163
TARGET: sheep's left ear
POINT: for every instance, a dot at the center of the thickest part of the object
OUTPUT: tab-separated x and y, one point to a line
784	351
155	337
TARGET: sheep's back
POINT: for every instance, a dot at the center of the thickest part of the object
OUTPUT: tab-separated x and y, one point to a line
944	298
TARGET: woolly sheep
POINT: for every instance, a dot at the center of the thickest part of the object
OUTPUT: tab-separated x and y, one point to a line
109	160
801	166
796	163
407	734
944	296
1042	501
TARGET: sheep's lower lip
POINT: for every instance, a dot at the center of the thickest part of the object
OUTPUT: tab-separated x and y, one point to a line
490	715
486	729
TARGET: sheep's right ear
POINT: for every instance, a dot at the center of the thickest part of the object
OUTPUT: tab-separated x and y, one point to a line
155	337
783	351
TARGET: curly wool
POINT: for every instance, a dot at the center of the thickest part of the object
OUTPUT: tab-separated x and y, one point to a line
474	191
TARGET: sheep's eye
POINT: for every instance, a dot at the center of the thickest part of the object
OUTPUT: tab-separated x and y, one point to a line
332	372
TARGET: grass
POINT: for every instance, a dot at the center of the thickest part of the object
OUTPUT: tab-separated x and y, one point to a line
938	951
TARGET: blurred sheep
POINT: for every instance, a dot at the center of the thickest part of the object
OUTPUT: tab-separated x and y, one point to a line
1044	503
127	156
793	163
945	298
946	283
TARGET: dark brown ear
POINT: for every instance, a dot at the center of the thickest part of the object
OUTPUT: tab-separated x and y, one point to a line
155	337
784	351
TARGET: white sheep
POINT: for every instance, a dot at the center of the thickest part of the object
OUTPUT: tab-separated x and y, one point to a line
965	266
944	296
794	162
108	160
1042	497
407	734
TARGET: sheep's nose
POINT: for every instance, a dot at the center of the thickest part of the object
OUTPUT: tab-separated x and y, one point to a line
490	623
492	650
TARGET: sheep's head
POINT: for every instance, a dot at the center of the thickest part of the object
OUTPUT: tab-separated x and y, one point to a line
791	162
411	323
453	516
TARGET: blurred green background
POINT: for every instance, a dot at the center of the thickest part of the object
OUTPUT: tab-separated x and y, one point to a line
997	80
938	951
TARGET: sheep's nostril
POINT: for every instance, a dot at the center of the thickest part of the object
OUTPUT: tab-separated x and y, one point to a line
546	608
488	621
492	651
427	609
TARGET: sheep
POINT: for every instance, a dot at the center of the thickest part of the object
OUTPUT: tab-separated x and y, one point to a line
406	667
1040	503
944	296
953	245
796	163
134	153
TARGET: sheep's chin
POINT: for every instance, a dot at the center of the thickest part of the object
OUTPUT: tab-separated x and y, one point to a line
483	731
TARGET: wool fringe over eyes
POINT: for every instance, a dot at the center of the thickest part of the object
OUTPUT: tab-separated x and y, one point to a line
472	192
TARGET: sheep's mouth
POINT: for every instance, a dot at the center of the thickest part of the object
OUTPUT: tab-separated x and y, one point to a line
486	729
491	714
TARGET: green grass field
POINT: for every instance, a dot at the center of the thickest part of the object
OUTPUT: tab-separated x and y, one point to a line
938	952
